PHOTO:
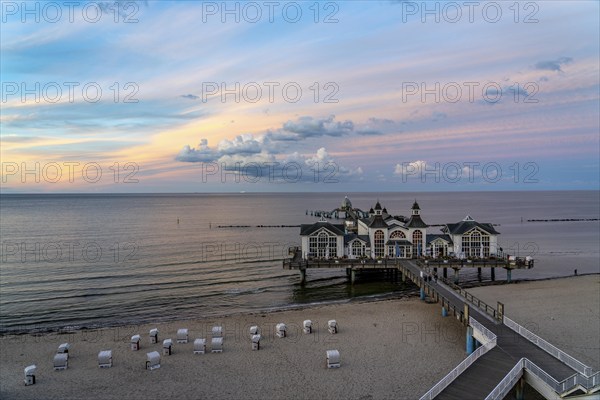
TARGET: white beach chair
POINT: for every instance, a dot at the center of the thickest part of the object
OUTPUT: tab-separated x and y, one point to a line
153	360
105	359
255	342
64	348
154	335
254	330
167	347
30	375
182	336
216	345
280	330
61	361
217	332
333	359
199	346
307	326
135	342
333	328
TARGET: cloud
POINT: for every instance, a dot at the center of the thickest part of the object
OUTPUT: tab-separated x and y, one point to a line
410	168
306	127
201	154
190	96
242	144
553	65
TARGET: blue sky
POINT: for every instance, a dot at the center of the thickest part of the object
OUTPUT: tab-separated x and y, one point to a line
259	96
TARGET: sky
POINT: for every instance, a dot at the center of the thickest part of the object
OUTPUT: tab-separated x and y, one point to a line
317	96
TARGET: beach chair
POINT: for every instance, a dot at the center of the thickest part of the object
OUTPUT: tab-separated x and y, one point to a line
333	359
167	347
253	330
153	360
61	361
333	328
182	336
199	346
135	342
280	330
216	345
255	342
64	349
105	359
30	375
307	326
154	335
217	332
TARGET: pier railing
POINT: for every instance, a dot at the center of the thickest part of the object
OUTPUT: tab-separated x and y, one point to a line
549	348
491	311
565	386
466	363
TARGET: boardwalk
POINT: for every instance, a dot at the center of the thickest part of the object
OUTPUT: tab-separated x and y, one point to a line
491	368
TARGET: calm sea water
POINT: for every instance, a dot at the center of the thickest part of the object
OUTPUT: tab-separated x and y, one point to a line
102	260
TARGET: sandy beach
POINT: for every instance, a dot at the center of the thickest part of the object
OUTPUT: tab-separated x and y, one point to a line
389	349
564	311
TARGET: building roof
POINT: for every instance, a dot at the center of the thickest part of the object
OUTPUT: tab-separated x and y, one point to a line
346	204
376	221
351	236
309	229
415	206
431	237
415	221
378	206
466	225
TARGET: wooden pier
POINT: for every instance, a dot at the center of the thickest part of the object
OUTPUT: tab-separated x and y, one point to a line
502	355
431	266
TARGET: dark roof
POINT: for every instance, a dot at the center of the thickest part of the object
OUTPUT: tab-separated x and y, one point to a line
378	206
384	210
308	229
465	226
371	211
415	221
416	206
376	221
351	236
431	237
401	242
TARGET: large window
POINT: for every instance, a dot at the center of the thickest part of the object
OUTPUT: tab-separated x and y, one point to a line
379	243
323	245
397	235
358	248
417	240
476	244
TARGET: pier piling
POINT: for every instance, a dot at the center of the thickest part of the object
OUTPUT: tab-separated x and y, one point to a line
508	275
303	276
493	274
470	341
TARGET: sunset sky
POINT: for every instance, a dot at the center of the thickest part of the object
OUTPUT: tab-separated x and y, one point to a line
492	96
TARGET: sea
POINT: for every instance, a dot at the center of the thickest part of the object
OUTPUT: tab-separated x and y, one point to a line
73	261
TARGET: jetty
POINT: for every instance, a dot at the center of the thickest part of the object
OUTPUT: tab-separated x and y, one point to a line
502	355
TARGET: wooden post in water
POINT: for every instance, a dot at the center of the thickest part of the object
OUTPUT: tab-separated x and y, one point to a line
508	275
456	275
302	276
445	273
479	274
493	274
352	276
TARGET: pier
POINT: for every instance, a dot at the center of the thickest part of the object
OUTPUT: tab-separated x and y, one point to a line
501	354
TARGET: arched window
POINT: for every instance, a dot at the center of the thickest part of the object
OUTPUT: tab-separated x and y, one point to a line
476	244
397	235
417	241
358	249
324	244
379	243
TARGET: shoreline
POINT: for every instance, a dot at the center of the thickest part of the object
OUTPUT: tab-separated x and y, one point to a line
413	291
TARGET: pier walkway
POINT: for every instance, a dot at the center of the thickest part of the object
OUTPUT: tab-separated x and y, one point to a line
502	354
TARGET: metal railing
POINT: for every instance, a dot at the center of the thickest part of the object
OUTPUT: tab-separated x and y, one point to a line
508	382
489	335
466	363
549	348
491	311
